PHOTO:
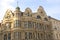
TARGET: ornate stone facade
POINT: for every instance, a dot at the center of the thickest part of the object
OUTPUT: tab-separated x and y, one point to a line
27	25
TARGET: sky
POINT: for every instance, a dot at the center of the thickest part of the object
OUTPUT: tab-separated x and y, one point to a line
51	7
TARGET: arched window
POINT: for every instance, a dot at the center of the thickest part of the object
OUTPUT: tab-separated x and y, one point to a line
45	19
38	17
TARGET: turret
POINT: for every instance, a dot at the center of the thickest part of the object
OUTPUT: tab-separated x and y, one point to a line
17	13
17	9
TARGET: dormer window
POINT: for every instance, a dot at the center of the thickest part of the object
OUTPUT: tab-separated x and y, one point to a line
38	17
28	14
41	12
45	19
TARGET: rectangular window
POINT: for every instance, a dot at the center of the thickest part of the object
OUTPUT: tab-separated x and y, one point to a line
33	24
33	35
38	36
41	26
26	24
41	35
38	25
17	23
21	13
29	24
5	36
17	35
28	35
9	36
18	15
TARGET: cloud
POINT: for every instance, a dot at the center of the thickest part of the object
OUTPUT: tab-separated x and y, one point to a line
4	5
53	1
52	7
54	12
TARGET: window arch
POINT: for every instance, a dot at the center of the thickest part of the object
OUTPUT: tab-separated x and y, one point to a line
38	17
45	19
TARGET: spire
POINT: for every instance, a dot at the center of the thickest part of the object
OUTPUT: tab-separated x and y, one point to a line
17	8
17	3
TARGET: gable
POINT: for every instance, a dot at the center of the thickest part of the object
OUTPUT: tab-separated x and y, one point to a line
8	14
41	11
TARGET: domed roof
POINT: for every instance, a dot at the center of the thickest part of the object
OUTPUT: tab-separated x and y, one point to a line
17	8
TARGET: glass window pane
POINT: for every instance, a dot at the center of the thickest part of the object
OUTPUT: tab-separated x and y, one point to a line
9	36
17	35
38	17
5	36
26	24
17	23
28	35
17	14
29	24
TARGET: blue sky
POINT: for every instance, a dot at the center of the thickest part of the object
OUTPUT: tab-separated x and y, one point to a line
51	7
